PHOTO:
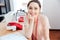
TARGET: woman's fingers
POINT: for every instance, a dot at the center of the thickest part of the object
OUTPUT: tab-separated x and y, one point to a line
30	16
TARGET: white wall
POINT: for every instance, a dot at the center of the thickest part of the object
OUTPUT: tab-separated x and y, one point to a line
18	4
52	9
41	1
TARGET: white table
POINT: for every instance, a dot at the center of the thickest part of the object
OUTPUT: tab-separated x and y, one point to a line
13	36
10	35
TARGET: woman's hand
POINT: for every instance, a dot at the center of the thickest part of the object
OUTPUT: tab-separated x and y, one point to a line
29	25
30	18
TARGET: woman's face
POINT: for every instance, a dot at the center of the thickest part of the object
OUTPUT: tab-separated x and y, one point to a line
33	9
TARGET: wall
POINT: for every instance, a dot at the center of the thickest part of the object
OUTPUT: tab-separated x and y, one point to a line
21	4
17	5
51	8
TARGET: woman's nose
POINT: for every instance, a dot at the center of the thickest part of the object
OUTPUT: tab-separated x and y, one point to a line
33	11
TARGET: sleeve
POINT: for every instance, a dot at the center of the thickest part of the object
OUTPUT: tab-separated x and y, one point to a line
28	28
46	27
47	22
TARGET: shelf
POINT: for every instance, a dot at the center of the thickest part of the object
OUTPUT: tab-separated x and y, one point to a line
2	4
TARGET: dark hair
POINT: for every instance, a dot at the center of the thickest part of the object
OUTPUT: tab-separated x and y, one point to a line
36	1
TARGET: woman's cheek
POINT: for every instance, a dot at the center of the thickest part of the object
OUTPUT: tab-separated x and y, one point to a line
32	14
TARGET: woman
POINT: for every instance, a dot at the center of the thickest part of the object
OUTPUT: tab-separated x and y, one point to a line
37	24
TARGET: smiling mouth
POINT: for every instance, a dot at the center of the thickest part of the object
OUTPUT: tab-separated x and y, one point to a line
31	14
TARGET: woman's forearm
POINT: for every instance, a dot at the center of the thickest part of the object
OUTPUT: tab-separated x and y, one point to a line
29	29
46	34
47	38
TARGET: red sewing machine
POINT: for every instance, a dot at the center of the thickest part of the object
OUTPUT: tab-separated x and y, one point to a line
16	25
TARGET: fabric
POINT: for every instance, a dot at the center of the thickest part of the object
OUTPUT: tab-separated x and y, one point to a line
37	30
34	37
18	26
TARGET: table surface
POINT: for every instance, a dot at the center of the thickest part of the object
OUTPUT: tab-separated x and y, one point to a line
4	32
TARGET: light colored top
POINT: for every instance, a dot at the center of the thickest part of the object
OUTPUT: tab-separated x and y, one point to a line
42	28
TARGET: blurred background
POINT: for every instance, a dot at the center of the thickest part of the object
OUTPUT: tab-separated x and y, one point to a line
51	8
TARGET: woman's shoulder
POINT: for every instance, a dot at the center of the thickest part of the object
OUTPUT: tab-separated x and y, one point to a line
43	17
44	20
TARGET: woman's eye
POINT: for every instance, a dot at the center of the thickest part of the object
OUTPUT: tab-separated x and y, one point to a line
30	8
35	8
